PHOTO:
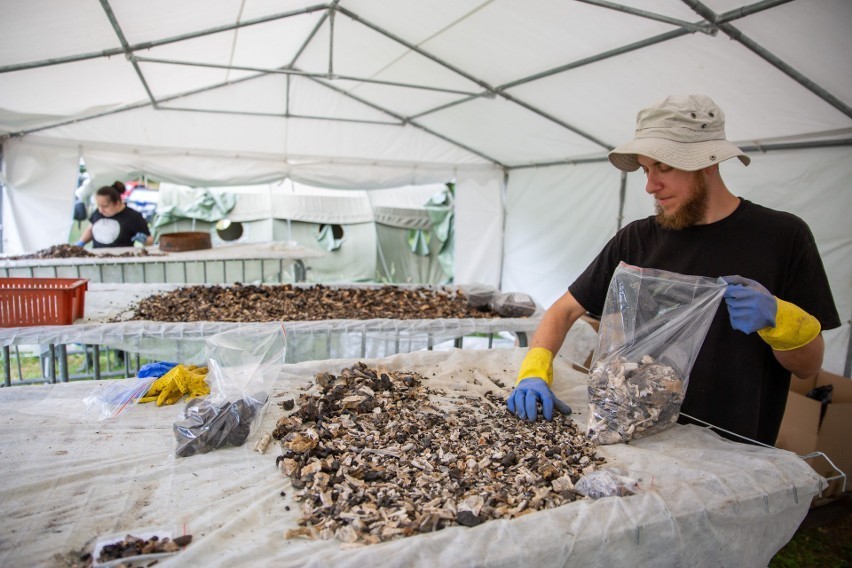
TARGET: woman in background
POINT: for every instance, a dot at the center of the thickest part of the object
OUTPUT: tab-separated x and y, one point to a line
114	224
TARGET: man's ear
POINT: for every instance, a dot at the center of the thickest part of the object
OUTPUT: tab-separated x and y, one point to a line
710	171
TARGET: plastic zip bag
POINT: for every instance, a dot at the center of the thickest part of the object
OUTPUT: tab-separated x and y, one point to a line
513	305
652	328
117	396
243	365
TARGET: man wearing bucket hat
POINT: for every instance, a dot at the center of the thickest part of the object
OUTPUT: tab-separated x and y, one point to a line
778	298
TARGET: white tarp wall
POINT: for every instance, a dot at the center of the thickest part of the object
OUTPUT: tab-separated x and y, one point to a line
559	218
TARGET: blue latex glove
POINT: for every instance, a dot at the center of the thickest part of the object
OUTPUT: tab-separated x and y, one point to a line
528	393
155	369
140	237
750	306
79	244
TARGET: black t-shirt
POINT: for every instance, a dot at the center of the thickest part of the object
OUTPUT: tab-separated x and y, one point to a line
118	230
736	382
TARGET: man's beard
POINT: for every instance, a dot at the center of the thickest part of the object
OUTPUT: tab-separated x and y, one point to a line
691	212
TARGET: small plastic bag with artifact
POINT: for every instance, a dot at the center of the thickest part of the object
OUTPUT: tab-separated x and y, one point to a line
652	328
243	365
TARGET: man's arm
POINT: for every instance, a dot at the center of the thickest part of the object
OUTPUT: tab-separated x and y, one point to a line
536	373
793	334
556	322
804	362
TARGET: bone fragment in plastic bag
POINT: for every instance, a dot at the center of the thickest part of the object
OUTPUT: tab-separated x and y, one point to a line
629	400
606	483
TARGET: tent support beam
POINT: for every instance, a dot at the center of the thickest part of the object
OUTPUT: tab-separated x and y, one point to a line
297	72
595	58
279	115
745	148
418	50
157	43
702	28
310	37
766	55
622	197
405	120
127	51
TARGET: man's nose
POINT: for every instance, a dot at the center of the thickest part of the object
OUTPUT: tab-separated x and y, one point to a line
652	185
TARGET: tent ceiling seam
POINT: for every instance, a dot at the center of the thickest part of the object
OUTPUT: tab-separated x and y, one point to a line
234	41
735	34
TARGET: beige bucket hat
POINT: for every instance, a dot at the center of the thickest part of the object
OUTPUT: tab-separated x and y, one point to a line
686	132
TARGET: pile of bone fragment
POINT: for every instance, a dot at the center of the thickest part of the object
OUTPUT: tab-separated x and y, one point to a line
375	455
268	303
73	251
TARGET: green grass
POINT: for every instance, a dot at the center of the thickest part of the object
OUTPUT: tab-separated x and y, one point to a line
30	366
818	547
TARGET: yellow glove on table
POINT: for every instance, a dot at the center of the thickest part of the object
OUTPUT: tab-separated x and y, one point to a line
180	380
794	328
537	363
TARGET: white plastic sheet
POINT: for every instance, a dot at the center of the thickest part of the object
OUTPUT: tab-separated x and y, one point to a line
67	480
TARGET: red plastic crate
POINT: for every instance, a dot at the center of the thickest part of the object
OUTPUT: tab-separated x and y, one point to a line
41	301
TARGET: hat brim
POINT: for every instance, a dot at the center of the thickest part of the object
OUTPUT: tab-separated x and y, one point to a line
687	156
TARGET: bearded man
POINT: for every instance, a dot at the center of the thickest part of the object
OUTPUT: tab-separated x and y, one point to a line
777	302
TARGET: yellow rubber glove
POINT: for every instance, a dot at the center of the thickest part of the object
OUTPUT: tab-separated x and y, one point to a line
794	328
159	385
180	380
537	363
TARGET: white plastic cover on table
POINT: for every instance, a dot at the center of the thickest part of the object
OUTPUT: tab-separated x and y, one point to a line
306	340
67	480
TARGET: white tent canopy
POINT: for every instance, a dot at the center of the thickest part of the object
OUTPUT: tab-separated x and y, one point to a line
517	102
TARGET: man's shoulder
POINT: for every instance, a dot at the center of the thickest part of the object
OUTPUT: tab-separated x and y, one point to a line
639	226
753	211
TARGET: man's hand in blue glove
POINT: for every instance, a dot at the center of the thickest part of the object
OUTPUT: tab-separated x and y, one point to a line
750	306
528	393
141	238
79	244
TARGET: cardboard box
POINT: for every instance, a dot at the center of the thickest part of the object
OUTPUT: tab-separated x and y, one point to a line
801	431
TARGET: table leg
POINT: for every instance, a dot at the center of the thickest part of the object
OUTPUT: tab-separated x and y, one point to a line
7	367
63	362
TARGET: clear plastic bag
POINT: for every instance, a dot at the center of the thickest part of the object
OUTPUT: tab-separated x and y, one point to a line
513	305
243	365
607	483
479	295
652	328
111	401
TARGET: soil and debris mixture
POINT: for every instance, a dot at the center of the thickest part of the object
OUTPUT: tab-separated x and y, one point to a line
73	251
376	455
269	303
